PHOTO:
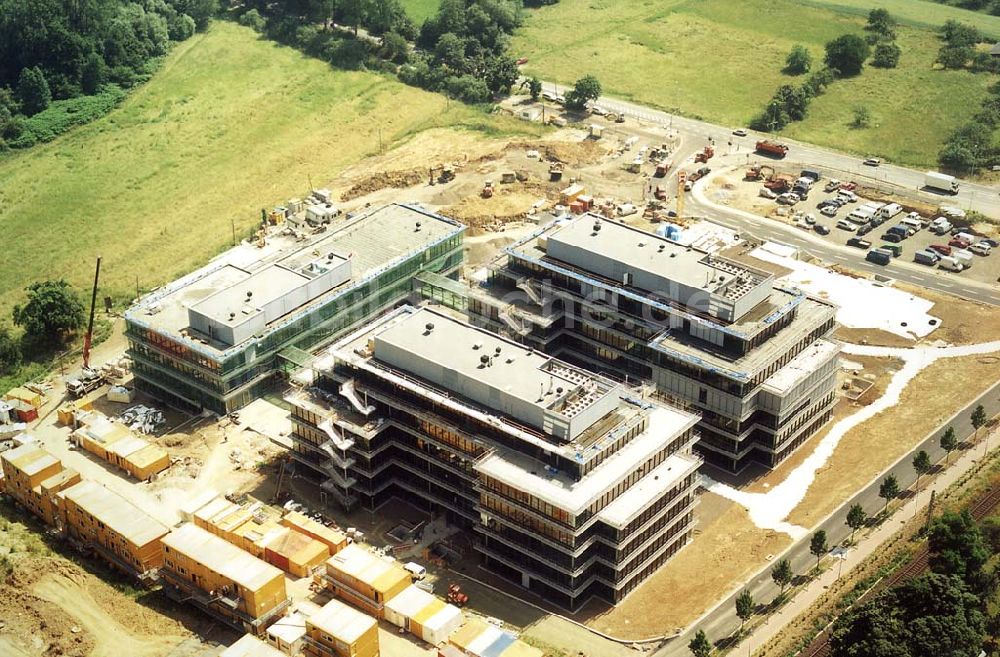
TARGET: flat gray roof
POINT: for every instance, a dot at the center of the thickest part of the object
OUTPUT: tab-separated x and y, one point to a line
666	261
490	369
372	241
265	286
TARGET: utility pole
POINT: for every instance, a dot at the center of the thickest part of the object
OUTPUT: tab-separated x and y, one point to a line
231	220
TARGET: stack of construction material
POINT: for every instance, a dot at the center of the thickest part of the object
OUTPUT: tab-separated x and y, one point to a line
143	418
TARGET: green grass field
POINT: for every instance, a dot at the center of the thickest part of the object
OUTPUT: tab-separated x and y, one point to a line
721	60
230	124
420	10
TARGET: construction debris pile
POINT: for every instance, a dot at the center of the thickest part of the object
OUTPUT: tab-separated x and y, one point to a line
384	180
142	419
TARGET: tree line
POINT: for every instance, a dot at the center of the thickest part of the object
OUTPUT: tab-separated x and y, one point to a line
56	55
461	50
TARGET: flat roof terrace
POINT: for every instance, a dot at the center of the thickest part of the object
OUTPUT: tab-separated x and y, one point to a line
371	242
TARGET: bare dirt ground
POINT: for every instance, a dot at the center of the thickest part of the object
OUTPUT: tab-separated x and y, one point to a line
873	336
724	552
876	370
872	446
51	606
962	321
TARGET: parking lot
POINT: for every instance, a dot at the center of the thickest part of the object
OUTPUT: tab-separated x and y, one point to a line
808	215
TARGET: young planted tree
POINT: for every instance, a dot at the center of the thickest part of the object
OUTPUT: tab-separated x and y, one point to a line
888	490
818	546
744	607
699	645
862	117
948	442
978	419
856	518
782	574
921	465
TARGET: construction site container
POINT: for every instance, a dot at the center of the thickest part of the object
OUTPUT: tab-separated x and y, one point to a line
33	477
24	411
577	207
118	531
364	579
195	503
480	639
28	396
337	630
332	538
117	445
288	636
250	646
295	553
222	579
571	193
438	627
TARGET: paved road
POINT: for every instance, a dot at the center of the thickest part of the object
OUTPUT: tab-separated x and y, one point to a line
722	621
972	196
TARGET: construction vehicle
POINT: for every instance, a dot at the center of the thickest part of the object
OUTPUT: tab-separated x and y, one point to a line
705	155
682	184
768	147
555	171
760	172
779	183
634	166
487	189
508	177
660	193
662	167
446	174
86	381
699	174
456	597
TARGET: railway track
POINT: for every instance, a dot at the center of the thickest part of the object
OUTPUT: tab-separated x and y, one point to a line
979	509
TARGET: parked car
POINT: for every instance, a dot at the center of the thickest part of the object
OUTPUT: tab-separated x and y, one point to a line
941	248
872	162
959	243
981	248
894	238
829	210
844	224
993	243
810	219
789	198
821	229
832	186
864	230
859	243
767	193
847	195
740	132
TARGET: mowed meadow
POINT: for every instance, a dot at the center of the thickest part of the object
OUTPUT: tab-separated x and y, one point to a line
230	124
721	60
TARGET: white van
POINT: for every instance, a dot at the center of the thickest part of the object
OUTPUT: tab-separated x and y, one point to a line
860	216
910	222
963	256
417	572
890	211
950	263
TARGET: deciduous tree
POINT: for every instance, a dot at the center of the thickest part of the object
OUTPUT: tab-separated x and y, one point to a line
888	490
856	518
52	311
818	546
744	607
798	61
782	574
847	54
949	442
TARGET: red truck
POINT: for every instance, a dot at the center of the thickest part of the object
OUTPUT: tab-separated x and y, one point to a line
772	148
